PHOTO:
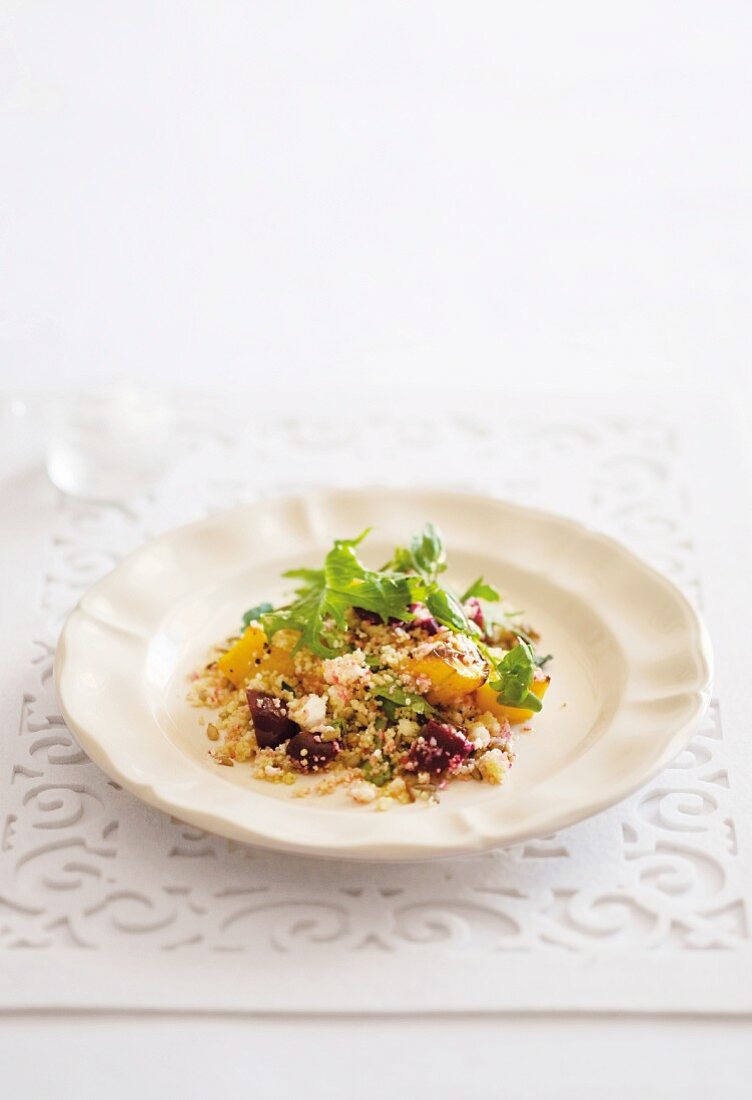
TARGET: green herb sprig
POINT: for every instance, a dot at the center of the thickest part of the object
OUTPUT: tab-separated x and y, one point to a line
324	596
393	696
254	613
515	673
481	590
318	613
424	556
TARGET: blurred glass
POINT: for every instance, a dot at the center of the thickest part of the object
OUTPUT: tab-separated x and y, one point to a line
108	445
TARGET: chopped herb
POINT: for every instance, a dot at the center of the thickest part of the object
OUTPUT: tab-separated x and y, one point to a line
377	772
255	613
424	556
390	710
541	662
393	696
480	590
445	607
515	673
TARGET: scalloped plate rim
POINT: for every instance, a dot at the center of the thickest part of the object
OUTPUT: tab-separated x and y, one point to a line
468	841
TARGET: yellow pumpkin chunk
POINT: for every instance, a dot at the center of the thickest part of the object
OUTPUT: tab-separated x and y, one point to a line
454	666
251	653
486	699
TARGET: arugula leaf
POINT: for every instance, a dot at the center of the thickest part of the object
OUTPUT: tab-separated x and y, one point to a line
318	616
427	550
255	613
445	607
481	591
516	672
311	576
387	594
425	555
319	613
393	696
426	558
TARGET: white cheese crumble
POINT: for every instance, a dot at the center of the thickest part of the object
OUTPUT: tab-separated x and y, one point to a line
362	791
350	668
482	729
308	711
493	766
390	656
478	734
407	728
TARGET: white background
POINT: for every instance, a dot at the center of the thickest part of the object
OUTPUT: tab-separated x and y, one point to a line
519	197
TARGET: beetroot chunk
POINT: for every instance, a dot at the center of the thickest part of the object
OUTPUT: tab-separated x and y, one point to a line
270	722
423	619
429	624
368	616
438	748
474	612
310	752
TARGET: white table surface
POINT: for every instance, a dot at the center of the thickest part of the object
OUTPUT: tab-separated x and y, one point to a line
523	196
472	1059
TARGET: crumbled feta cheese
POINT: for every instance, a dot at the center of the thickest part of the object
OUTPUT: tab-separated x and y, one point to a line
350	668
478	734
362	791
493	725
309	711
493	766
397	788
491	722
407	728
390	656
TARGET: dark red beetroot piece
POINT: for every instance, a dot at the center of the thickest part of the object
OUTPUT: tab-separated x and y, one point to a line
368	616
474	612
270	722
310	753
424	619
438	748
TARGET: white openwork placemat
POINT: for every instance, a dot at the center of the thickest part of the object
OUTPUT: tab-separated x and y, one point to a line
106	902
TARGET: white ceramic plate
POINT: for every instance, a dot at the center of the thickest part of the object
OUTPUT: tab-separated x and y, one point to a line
630	677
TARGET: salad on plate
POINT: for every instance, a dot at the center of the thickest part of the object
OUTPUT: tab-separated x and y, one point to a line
383	682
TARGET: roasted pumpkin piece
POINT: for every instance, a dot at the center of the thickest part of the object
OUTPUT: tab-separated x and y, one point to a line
487	699
239	663
453	665
250	653
278	657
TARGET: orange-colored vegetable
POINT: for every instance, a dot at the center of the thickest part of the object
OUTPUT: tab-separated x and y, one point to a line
251	653
454	667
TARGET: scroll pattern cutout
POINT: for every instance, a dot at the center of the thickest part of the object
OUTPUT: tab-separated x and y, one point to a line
86	866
